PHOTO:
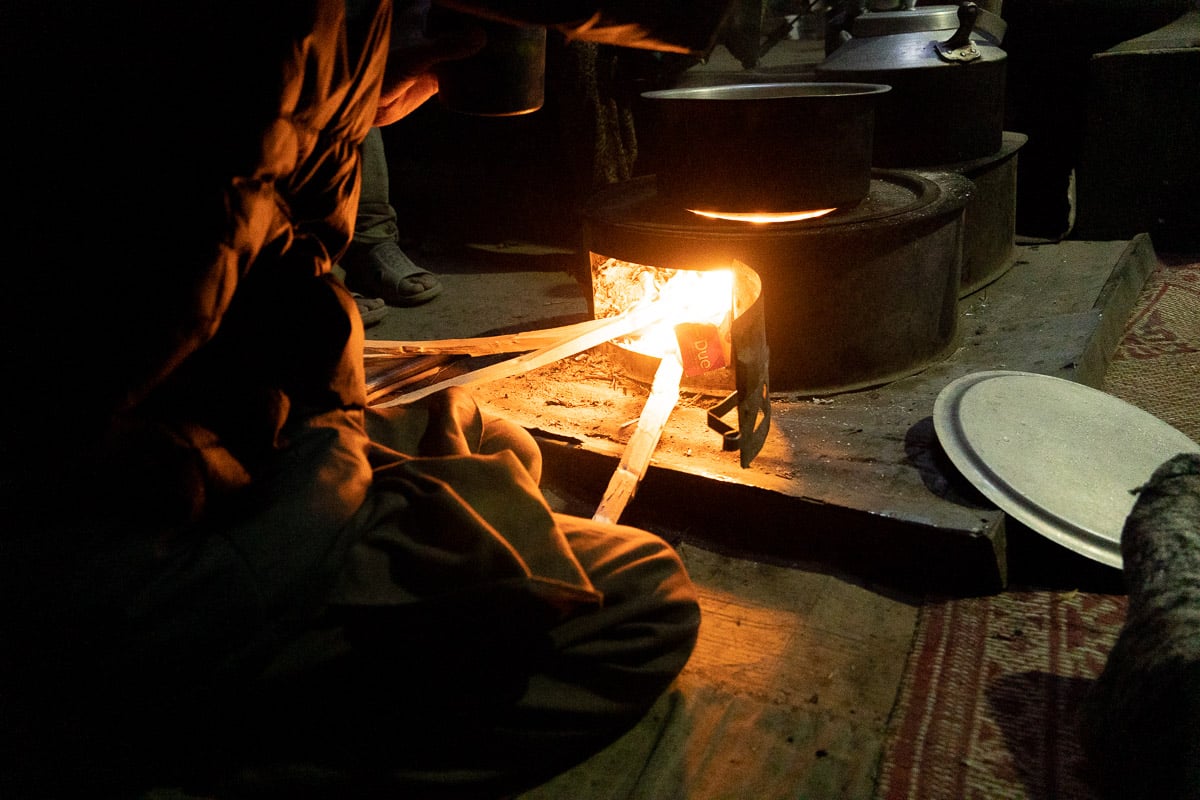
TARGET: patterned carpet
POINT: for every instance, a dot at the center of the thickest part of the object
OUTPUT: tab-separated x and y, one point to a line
1157	365
990	694
988	704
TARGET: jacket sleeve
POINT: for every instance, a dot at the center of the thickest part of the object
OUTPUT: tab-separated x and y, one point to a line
170	155
183	198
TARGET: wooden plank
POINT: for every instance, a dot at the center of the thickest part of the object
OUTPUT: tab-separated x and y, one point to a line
664	396
519	342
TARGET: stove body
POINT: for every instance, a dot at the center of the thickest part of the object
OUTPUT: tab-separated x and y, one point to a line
991	215
858	298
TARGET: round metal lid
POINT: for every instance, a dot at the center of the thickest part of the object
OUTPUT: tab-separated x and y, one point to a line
1060	457
925	18
758	92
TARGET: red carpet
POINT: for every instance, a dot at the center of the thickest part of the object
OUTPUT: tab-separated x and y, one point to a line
989	698
1157	365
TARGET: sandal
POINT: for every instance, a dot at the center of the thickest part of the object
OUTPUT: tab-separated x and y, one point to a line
371	309
383	270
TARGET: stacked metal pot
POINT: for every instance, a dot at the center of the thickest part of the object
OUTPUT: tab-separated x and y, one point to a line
945	111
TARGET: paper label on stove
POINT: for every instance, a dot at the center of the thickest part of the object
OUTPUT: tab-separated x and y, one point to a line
700	347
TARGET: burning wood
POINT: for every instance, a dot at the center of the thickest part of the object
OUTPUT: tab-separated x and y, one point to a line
683	318
700	297
612	328
664	396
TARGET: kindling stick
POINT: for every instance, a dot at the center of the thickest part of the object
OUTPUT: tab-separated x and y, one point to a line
614	327
383	380
664	396
482	345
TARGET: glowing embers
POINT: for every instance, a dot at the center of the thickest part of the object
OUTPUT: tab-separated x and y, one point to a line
697	326
763	218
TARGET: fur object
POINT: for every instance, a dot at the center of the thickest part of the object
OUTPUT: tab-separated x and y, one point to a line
1142	720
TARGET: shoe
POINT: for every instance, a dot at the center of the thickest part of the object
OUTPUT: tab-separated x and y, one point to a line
384	271
371	309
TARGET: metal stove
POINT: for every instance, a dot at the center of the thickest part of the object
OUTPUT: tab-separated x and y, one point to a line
859	297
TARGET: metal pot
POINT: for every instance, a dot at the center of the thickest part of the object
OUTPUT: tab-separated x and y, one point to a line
947	74
763	147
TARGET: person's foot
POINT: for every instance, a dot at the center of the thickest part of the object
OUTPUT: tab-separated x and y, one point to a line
371	309
383	270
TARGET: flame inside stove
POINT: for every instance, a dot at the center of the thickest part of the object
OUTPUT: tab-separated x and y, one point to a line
763	218
691	296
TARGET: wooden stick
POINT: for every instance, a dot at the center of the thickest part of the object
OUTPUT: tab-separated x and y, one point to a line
385	390
384	379
614	327
482	345
664	396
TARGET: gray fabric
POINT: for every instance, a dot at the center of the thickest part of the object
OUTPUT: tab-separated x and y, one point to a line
376	219
1142	722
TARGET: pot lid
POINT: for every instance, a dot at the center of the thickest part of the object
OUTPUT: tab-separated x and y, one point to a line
877	56
924	18
984	24
1060	457
887	41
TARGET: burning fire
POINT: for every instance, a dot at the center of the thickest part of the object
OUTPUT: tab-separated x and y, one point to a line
763	218
693	335
696	300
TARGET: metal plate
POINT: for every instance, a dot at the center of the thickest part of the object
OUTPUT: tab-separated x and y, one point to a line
1060	457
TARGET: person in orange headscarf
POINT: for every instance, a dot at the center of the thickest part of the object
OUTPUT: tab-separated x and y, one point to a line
220	570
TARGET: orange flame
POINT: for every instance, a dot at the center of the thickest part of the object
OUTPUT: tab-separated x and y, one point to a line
702	296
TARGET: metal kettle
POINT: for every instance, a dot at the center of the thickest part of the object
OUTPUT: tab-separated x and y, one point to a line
947	73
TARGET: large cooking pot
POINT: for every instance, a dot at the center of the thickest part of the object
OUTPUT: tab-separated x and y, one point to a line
762	147
947	72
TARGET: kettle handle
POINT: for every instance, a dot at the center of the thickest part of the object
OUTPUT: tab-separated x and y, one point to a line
989	25
959	48
968	14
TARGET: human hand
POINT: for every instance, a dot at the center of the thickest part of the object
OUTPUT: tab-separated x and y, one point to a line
408	79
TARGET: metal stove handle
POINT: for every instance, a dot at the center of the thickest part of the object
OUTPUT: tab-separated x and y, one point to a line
731	437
